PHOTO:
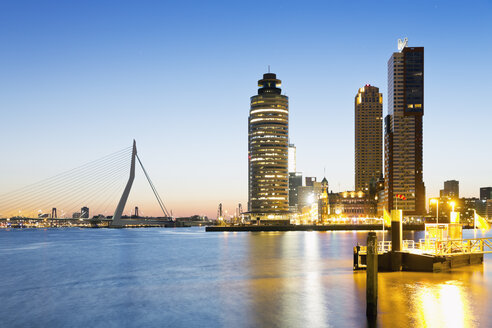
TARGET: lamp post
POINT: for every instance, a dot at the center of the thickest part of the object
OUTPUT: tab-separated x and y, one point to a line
435	201
452	215
452	203
474	223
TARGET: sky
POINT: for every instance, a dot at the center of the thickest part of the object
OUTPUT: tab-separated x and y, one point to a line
82	79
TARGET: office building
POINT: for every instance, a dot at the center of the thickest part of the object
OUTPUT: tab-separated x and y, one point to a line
268	151
295	181
451	189
485	193
310	181
309	194
488	208
84	212
292	158
368	137
403	135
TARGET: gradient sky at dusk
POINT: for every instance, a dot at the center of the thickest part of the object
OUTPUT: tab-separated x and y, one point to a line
81	79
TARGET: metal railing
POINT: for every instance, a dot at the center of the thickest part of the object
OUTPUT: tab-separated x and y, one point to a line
463	246
409	244
385	246
439	247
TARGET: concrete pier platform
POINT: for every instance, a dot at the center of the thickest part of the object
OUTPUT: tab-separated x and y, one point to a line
407	261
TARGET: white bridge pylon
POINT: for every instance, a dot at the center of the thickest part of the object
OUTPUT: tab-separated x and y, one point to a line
117	220
121	205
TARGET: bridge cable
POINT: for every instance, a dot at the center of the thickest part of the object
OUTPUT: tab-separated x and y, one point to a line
159	200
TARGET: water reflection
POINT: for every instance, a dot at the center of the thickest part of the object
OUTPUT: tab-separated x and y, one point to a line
189	278
314	305
413	299
423	300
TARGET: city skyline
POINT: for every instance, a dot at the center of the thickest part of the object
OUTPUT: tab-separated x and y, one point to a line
73	97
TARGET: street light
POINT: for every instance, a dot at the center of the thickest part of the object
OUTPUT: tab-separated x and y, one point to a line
435	201
452	203
474	223
452	215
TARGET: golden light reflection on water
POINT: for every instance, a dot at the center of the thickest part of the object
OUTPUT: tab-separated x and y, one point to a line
306	280
313	287
412	299
441	305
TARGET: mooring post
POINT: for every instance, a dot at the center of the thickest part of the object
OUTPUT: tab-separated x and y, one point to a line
396	230
396	239
372	276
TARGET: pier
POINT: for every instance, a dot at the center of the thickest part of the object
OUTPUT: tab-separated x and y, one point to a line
439	257
442	249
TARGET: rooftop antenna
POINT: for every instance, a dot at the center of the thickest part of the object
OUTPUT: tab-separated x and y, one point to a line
402	44
268	68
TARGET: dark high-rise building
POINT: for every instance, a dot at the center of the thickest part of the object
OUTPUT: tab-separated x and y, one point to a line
451	189
268	151
310	181
368	137
295	181
485	193
403	162
84	212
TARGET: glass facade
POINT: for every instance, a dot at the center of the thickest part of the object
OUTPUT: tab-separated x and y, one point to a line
413	80
403	160
268	149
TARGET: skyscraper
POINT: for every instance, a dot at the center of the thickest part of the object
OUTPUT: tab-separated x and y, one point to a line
268	151
368	137
403	162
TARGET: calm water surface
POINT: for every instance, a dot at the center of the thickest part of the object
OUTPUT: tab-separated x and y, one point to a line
188	278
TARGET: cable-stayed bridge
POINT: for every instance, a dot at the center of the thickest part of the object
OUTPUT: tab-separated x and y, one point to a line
95	191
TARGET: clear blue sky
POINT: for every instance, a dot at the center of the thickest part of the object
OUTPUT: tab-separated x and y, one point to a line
81	79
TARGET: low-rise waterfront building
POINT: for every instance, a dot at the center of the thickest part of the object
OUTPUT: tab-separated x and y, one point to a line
352	204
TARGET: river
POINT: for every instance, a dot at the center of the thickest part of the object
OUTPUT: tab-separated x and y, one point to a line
186	277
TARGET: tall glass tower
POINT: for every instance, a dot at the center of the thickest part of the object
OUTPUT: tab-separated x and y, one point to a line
404	131
268	151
